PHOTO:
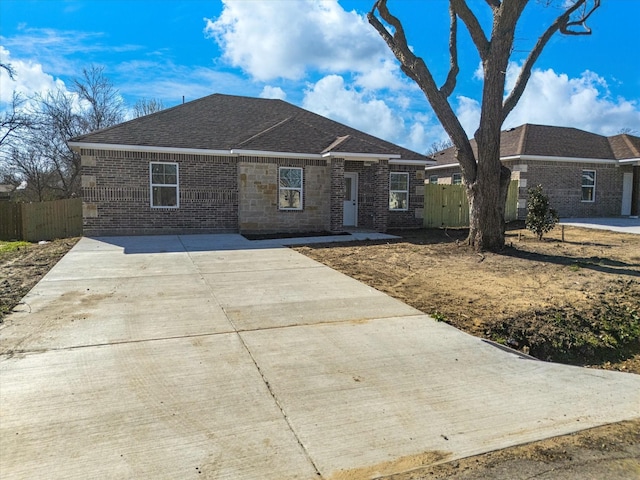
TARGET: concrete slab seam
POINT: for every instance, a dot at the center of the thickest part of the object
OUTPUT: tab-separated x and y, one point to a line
260	372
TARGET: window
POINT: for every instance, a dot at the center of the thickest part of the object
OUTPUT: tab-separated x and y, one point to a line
588	185
456	179
399	191
290	192
433	179
164	185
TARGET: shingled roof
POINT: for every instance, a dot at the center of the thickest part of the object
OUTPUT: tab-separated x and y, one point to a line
226	122
550	141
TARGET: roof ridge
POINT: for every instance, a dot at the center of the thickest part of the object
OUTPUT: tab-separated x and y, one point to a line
628	141
523	138
336	142
266	130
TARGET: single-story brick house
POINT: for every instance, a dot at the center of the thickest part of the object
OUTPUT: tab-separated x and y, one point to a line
237	164
584	174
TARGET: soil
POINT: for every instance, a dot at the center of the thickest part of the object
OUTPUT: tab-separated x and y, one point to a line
433	271
21	269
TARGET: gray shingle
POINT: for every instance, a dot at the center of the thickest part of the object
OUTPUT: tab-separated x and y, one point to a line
550	141
225	122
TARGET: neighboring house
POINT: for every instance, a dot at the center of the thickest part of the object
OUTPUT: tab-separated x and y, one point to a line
6	191
584	174
236	164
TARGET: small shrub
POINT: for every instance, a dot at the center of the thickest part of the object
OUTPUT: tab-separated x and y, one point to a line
540	217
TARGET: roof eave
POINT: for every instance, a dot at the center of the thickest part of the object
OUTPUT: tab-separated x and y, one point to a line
146	148
630	161
361	156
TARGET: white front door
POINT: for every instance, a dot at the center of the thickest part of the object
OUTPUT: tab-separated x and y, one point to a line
350	210
627	189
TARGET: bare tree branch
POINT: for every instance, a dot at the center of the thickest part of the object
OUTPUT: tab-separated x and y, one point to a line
494	3
147	107
582	21
561	22
473	25
417	70
450	84
9	69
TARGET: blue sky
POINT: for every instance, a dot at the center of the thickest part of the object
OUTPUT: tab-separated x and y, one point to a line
321	55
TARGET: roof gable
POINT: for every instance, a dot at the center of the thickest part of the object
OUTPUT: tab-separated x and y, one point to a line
226	122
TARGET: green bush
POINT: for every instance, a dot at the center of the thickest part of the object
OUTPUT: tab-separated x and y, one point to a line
540	217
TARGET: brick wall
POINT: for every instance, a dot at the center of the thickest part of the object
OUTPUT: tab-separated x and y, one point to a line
230	194
336	203
258	197
116	194
413	217
562	182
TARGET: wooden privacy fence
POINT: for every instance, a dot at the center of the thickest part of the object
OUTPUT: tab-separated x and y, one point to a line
447	205
41	221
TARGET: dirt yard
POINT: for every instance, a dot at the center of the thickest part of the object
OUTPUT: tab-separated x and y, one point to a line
23	264
574	301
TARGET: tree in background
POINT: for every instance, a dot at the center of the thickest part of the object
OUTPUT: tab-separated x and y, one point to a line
485	178
147	107
39	156
541	218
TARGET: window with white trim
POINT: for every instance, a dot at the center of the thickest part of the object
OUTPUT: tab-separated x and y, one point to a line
456	179
398	191
433	179
588	185
163	178
290	188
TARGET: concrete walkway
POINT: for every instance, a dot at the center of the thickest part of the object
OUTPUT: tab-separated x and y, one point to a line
215	357
615	224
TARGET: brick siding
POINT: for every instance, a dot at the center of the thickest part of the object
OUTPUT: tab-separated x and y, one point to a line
235	194
562	182
116	198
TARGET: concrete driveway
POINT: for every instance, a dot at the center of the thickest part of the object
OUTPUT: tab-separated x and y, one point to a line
210	356
615	224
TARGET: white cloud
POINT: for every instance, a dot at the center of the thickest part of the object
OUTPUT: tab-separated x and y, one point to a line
333	98
285	39
468	113
584	102
29	79
555	99
273	92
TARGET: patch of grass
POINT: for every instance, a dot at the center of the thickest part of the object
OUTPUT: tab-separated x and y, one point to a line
6	247
439	316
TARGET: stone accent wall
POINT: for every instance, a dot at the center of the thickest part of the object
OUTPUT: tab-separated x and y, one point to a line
116	194
258	210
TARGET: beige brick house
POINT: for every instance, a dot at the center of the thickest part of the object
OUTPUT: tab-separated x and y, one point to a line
584	174
237	164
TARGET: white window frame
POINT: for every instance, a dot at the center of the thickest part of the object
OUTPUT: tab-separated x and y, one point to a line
432	178
174	185
592	187
405	174
453	179
293	189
